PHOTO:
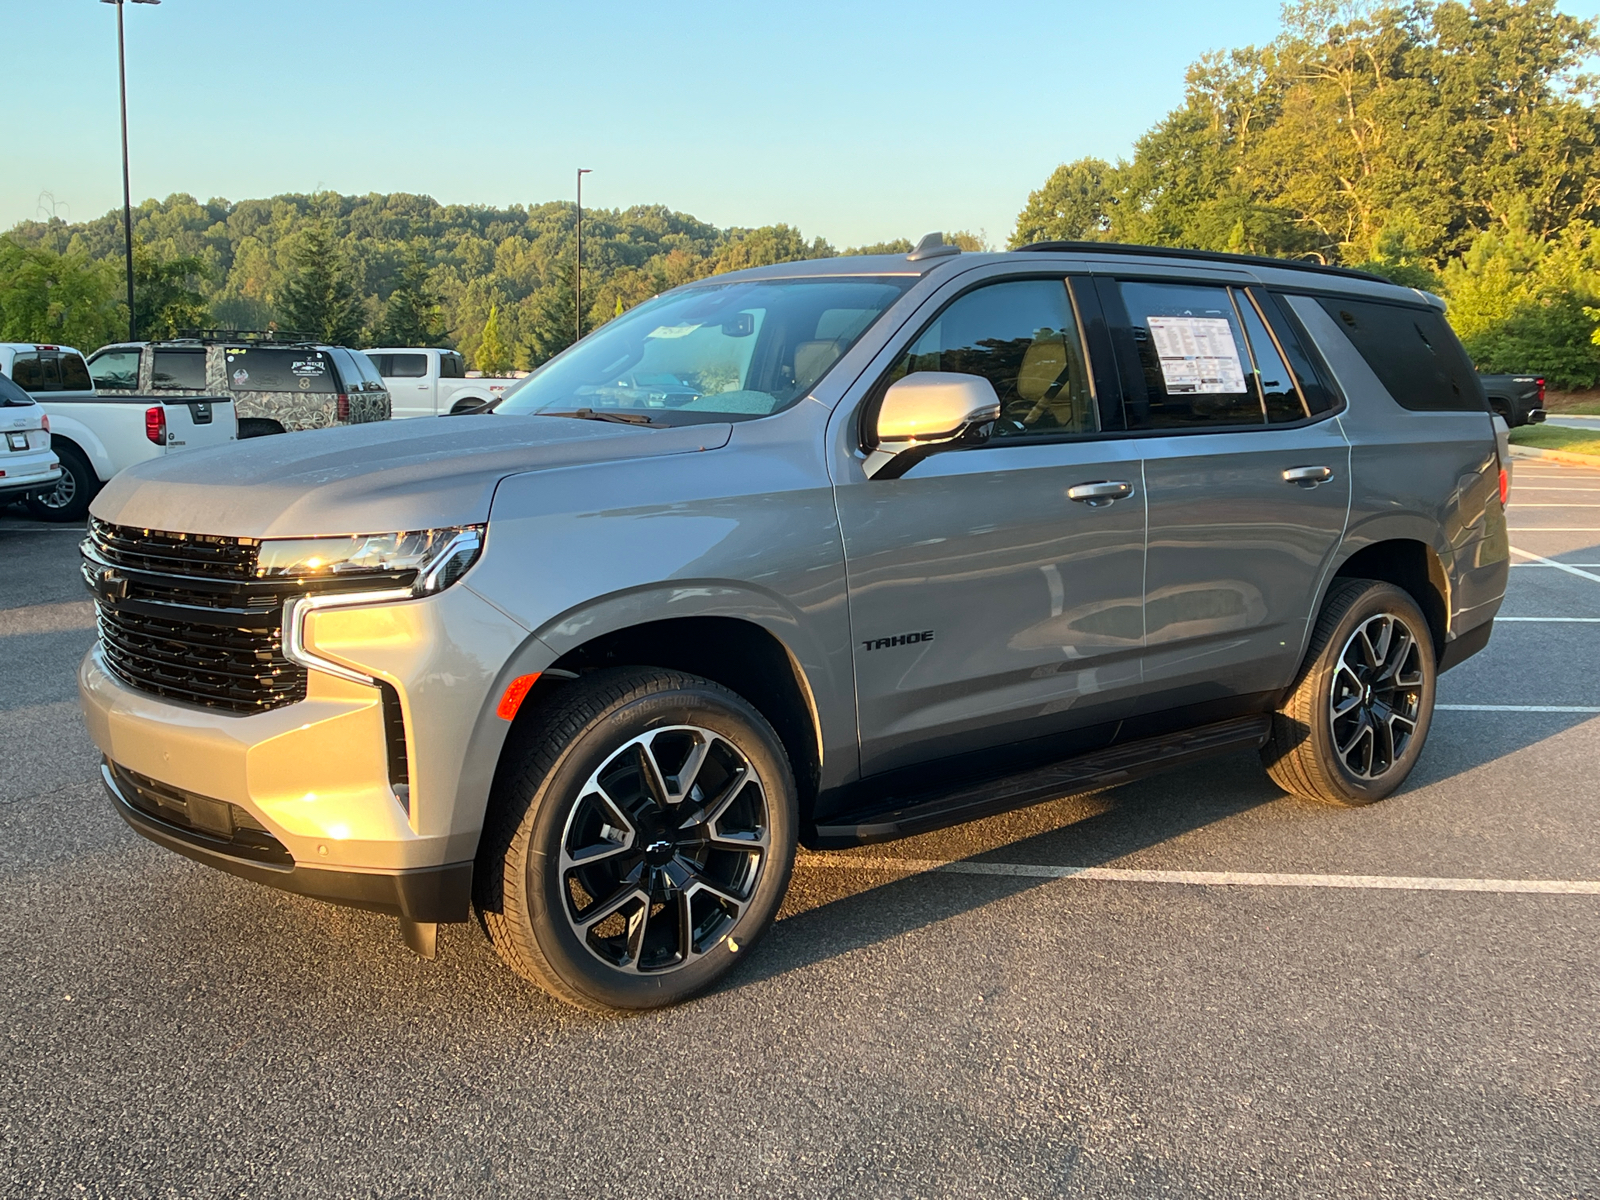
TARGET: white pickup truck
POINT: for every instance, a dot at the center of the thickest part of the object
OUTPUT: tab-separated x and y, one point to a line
424	382
95	434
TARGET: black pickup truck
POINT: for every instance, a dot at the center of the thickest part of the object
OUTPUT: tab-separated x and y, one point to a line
1517	398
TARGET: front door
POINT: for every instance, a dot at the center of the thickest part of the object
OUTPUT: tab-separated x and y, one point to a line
994	595
1247	485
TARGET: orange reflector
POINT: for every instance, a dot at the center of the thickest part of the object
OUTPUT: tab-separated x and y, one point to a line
1505	486
515	691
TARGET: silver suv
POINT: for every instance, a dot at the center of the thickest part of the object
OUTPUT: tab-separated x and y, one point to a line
820	554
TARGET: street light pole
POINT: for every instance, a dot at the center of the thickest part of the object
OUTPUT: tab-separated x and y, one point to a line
127	198
577	284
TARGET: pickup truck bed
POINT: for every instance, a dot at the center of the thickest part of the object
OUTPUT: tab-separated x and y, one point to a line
1517	398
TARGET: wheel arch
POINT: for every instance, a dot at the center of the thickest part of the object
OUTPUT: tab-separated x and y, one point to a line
743	655
1414	566
81	438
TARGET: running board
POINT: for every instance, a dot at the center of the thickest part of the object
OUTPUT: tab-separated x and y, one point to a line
922	812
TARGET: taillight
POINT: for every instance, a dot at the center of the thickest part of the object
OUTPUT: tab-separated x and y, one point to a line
1540	384
344	407
155	425
1505	486
44	422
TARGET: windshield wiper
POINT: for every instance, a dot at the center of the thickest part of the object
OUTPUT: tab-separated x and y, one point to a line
590	414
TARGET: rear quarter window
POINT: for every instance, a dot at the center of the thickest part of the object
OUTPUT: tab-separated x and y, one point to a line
1413	352
275	369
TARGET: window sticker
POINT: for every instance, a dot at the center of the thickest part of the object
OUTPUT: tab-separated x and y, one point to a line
309	367
1198	355
241	377
673	331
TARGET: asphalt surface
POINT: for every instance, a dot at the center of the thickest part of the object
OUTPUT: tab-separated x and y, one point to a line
171	1031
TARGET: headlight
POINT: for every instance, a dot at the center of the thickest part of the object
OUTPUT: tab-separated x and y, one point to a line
428	560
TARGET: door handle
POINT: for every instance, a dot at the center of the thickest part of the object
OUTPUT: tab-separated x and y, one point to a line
1308	477
1101	493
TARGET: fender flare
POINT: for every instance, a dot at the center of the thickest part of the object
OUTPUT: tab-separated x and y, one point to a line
73	432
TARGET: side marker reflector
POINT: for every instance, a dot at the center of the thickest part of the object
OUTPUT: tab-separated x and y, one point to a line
1505	486
515	691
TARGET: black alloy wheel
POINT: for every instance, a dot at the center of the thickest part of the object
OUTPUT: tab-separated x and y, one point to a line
1375	700
639	839
664	849
1355	721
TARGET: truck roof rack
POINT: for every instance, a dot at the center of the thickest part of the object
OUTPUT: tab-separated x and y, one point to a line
1217	256
289	337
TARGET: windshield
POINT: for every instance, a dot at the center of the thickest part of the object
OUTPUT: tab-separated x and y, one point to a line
712	353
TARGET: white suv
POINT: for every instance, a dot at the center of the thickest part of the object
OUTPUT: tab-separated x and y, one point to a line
26	461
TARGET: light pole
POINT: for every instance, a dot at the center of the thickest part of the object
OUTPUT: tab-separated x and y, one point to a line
577	283
127	200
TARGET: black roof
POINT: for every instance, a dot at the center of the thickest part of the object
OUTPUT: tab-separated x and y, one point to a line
1216	256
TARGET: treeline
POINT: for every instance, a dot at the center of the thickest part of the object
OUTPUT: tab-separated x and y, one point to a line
496	284
1449	146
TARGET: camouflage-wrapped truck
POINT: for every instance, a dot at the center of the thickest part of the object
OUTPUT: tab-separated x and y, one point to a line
278	383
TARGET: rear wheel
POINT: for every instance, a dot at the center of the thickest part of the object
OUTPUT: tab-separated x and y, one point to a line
641	844
69	499
1355	723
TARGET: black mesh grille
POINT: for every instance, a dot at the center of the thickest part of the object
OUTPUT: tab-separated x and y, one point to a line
228	654
215	824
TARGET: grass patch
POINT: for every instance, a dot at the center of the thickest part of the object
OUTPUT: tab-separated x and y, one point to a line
1585	403
1557	437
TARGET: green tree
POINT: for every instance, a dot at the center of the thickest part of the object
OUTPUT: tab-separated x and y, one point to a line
66	299
1075	204
166	295
411	315
317	297
492	358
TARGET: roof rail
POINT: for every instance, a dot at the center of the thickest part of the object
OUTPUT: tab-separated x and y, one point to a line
1217	256
288	336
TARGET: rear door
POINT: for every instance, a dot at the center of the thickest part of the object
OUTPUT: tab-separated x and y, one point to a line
987	604
412	392
1247	487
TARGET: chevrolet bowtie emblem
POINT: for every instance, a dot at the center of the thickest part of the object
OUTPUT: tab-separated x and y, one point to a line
112	586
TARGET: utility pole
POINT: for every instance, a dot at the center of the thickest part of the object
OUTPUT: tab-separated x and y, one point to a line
577	282
127	199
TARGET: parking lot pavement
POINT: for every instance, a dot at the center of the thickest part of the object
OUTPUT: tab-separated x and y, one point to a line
1250	996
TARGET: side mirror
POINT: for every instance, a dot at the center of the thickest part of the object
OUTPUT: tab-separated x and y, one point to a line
927	412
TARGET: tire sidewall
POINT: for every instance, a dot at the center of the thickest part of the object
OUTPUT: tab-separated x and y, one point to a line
84	483
560	789
1380	599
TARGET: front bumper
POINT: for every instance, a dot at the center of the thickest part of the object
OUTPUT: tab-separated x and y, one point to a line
422	894
316	774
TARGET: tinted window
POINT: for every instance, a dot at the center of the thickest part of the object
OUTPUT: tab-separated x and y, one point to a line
1185	363
179	369
1314	379
1272	377
369	371
74	374
274	369
383	362
116	370
1412	351
406	366
11	395
1021	336
36	372
452	366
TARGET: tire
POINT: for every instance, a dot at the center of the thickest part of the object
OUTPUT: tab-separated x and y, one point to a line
253	427
69	499
1351	731
576	832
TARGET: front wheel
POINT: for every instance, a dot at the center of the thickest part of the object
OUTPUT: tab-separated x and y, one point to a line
641	844
1356	720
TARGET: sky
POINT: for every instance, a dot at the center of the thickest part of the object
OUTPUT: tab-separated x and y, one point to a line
856	121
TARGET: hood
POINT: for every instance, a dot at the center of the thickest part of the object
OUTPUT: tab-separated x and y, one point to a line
388	476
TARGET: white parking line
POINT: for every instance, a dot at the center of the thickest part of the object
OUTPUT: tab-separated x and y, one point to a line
1537	708
1405	883
1560	566
1553	620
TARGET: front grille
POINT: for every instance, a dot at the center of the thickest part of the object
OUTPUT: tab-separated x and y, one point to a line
199	554
241	670
185	618
214	824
